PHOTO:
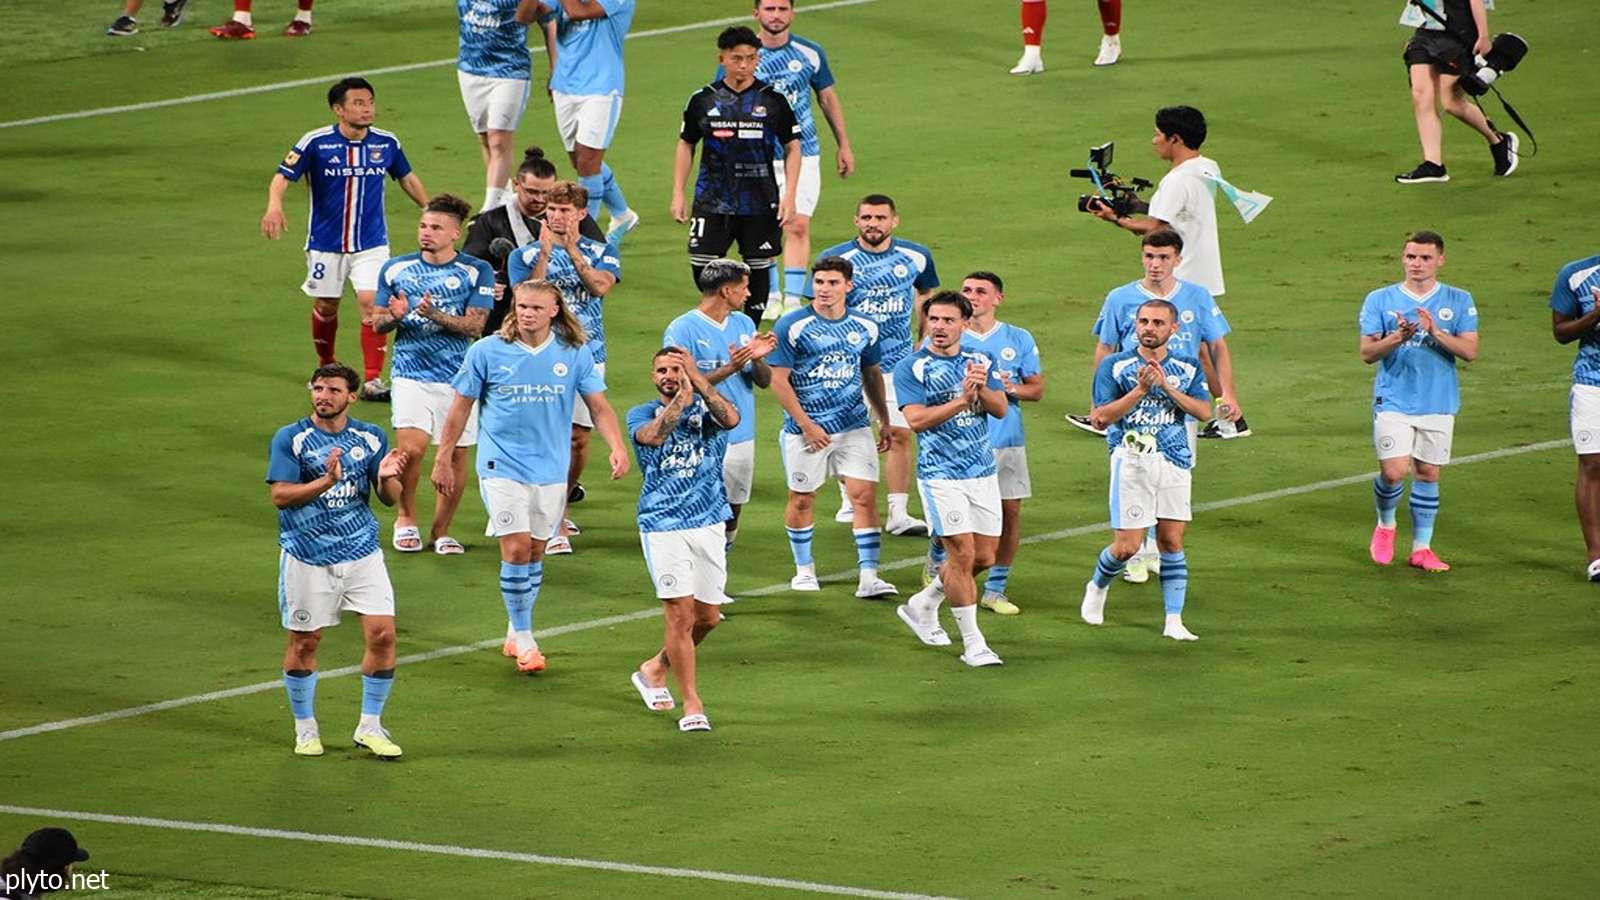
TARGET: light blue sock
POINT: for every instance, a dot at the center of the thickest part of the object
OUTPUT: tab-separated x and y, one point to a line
1174	581
936	551
611	192
869	542
997	579
1387	497
800	544
596	186
794	282
516	587
302	694
1424	509
375	691
1107	568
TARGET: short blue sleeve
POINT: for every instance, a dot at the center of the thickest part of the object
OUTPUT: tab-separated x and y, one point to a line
590	381
519	265
281	462
1371	319
1107	329
613	7
638	417
1105	385
1197	387
399	166
1028	362
1563	299
872	354
295	163
1466	317
374	459
609	259
907	389
928	279
783	353
385	289
473	374
822	78
1213	324
482	293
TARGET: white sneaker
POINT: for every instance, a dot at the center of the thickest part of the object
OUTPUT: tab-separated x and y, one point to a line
773	310
1174	629
1093	608
1593	571
1152	564
1137	571
1029	64
620	225
1110	50
877	587
804	581
570	527
558	546
927	632
908	526
981	657
845	515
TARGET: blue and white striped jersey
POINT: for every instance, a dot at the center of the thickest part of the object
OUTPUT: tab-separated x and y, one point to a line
1156	413
337	526
424	351
957	448
824	358
884	289
564	275
683	486
346	179
493	43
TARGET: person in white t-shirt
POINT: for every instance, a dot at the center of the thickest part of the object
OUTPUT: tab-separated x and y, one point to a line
1183	200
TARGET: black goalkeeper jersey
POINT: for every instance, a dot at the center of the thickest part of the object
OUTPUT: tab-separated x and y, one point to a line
739	133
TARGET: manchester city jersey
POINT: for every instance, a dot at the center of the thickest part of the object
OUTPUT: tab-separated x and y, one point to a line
526	396
1570	297
424	350
1011	350
710	344
493	43
884	289
824	358
795	70
337	526
346	178
957	448
1156	413
683	486
1200	318
589	52
564	275
1417	378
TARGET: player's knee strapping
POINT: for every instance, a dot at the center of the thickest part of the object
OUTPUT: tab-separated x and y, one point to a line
1174	581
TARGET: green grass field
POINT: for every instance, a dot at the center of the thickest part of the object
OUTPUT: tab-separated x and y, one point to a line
1338	730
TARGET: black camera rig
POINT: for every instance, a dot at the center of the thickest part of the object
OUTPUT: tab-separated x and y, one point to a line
1111	192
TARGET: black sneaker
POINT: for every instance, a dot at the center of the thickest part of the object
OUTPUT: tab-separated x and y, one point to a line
1084	423
124	26
577	493
172	13
1505	154
1423	173
1226	431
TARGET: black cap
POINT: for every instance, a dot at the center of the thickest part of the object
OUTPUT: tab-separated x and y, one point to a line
53	848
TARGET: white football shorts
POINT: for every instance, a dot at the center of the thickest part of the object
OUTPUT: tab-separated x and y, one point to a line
493	104
1584	403
587	119
809	190
962	505
849	454
311	597
517	508
424	404
688	563
1423	438
739	471
327	272
897	418
1146	487
1011	470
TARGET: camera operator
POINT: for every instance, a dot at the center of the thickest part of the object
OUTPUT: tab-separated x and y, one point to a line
1183	199
1436	57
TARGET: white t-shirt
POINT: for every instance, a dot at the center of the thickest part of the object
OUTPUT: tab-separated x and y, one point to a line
1184	200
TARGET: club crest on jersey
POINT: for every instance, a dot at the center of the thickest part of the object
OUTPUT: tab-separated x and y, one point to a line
375	155
760	112
1187	316
1008	354
358	453
559	369
1446	314
796	65
1172	382
853	337
900	270
452	282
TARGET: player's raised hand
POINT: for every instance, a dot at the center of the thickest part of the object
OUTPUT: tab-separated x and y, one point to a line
335	469
741	356
762	344
399	306
393	463
1425	321
547	238
273	224
1150	375
619	463
1404	326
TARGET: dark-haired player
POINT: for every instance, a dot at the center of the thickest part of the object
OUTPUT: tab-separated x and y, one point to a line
345	166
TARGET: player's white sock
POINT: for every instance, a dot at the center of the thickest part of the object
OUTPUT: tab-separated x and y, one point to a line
303	15
806	569
967	620
525	641
897	506
1174	629
867	576
369	724
305	729
243	18
511	631
1030	55
925	602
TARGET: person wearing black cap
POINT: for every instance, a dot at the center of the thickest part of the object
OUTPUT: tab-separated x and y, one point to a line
42	865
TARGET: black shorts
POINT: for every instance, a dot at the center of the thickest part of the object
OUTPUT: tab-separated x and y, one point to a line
1441	49
759	237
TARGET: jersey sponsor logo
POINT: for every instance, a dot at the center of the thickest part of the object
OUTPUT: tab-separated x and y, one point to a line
882	303
753	134
351	171
292	158
1008	353
452	282
560	369
1446	314
723	133
530	393
834	370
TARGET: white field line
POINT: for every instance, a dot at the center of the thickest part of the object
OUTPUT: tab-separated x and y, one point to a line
452	850
368	73
778	588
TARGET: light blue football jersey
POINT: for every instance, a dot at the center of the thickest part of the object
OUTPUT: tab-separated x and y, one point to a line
1011	350
1419	377
795	70
493	43
884	289
424	351
337	526
957	448
589	53
683	485
710	345
526	396
1156	413
1570	297
825	358
564	275
1200	318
